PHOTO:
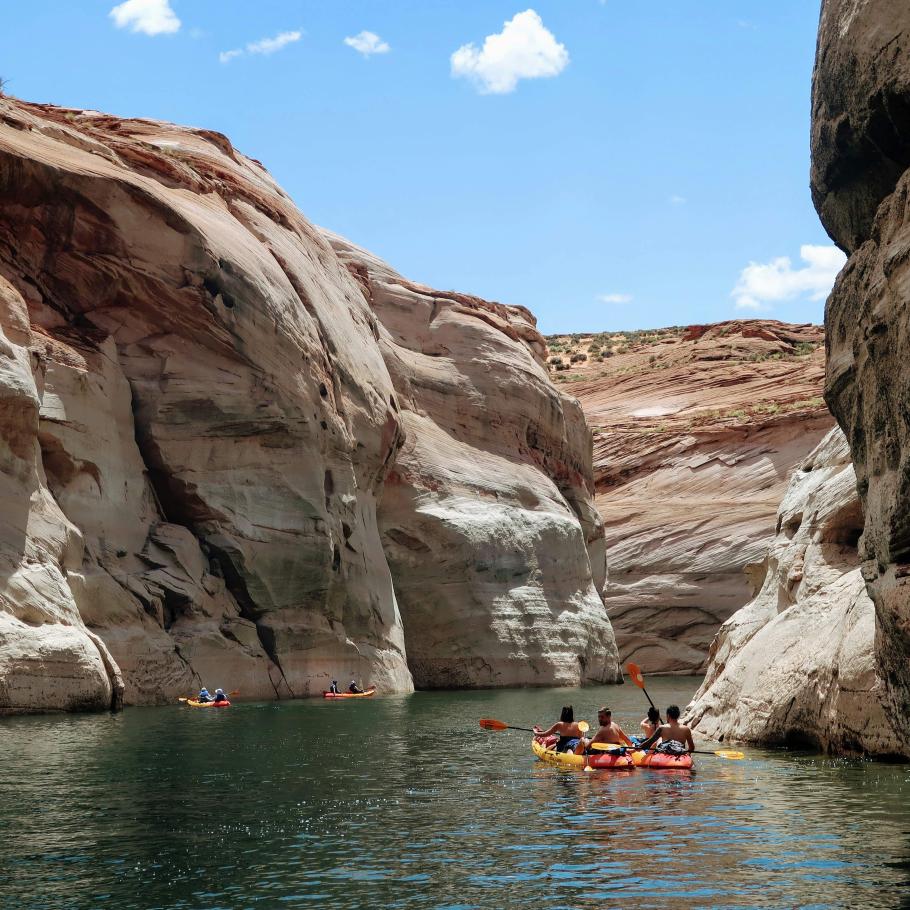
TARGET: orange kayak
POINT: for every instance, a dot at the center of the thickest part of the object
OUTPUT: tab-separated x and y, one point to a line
365	694
667	760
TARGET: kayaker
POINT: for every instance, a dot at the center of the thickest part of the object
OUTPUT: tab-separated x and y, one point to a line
609	731
219	696
565	728
671	732
651	722
354	689
334	687
204	695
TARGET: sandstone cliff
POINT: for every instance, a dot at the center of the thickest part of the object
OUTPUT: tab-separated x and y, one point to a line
796	665
198	428
696	432
861	188
487	516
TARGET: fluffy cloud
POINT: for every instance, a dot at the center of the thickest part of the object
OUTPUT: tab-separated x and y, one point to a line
615	298
262	46
762	283
151	17
367	43
524	49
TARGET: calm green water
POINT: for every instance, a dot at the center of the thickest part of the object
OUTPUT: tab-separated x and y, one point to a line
403	802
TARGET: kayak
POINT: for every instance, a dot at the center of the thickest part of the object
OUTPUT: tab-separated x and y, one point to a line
368	693
602	761
207	704
664	760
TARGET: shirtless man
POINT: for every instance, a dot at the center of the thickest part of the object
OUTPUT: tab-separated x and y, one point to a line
609	732
671	731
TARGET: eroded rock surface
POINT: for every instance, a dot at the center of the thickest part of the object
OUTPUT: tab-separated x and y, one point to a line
199	424
487	516
796	664
861	187
696	432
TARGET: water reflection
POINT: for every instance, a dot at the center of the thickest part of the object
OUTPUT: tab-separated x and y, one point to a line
403	802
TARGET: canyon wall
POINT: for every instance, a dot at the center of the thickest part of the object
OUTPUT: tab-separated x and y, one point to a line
696	432
199	426
487	516
795	666
861	188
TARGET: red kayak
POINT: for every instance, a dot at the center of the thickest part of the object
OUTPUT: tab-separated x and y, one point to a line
365	694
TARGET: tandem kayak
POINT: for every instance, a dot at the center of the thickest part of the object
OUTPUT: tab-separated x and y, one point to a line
602	761
368	693
207	704
665	760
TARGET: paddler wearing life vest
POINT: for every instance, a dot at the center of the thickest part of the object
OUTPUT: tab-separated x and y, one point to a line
354	689
670	733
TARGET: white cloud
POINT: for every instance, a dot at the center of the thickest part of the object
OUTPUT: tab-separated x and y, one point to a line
151	17
524	49
614	298
677	200
762	283
367	43
262	46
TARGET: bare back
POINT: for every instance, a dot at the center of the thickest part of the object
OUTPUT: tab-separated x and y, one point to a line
610	733
673	731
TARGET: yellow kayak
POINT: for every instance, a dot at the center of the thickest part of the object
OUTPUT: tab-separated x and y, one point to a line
602	761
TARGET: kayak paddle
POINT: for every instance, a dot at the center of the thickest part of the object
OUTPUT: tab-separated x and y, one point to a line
730	754
488	723
635	674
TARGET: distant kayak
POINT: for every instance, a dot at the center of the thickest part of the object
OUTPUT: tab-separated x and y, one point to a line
667	760
365	694
207	704
602	761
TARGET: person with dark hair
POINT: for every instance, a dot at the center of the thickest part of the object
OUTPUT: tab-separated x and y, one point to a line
651	722
565	728
673	736
608	732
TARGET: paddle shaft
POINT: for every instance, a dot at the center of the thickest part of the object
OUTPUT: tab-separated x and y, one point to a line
614	747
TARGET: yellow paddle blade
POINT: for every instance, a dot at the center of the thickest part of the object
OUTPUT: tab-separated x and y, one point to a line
606	747
583	726
634	672
731	754
489	724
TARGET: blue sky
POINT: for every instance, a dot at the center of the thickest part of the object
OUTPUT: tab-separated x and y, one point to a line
610	165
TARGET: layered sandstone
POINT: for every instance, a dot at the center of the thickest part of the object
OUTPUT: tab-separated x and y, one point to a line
861	187
199	427
487	517
696	432
796	664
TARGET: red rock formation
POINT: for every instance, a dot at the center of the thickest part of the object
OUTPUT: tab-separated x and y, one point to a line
696	431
